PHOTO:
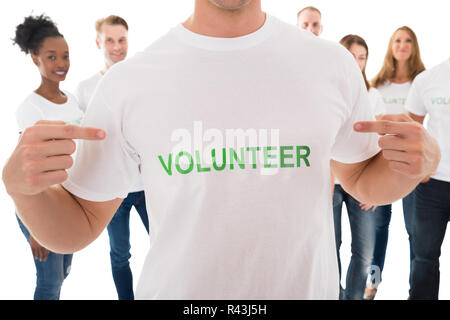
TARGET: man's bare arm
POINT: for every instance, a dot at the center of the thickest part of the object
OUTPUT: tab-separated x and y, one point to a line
58	220
372	181
62	222
408	155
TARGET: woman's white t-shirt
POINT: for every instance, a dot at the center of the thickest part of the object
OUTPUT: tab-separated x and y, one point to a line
376	101
35	108
394	96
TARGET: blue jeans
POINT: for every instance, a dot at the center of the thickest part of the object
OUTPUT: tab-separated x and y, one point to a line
50	274
383	219
430	223
119	240
362	226
409	207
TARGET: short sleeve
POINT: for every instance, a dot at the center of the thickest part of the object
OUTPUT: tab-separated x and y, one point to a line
27	115
103	170
351	146
414	102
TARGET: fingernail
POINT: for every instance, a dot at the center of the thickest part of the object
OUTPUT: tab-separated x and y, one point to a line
358	126
100	134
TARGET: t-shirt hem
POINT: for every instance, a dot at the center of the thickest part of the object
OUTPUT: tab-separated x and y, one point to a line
90	195
416	112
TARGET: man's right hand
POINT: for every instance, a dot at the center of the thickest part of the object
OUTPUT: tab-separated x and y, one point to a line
43	155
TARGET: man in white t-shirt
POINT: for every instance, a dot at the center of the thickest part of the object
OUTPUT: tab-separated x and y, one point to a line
225	116
310	18
112	40
430	94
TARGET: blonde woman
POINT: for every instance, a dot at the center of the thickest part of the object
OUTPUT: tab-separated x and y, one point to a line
402	64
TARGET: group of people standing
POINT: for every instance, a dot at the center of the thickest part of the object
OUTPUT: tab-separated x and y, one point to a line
424	210
401	86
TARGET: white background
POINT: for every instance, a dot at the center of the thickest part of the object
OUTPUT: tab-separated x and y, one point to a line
90	277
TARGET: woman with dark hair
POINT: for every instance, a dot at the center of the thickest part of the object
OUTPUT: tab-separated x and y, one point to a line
39	37
402	63
362	219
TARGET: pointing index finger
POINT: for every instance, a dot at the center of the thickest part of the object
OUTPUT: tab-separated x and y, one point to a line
380	127
52	132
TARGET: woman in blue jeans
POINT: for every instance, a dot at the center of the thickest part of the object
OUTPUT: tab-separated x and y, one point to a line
51	268
363	246
362	220
39	37
402	63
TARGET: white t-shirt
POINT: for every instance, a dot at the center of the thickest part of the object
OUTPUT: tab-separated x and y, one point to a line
84	93
35	108
430	94
233	229
85	90
394	96
376	101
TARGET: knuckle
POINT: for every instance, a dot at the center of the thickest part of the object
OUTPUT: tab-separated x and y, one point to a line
387	126
418	160
416	170
32	181
29	132
29	166
27	151
421	164
69	130
417	166
421	148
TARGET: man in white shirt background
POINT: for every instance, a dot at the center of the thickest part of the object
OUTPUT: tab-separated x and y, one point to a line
112	40
227	232
310	18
